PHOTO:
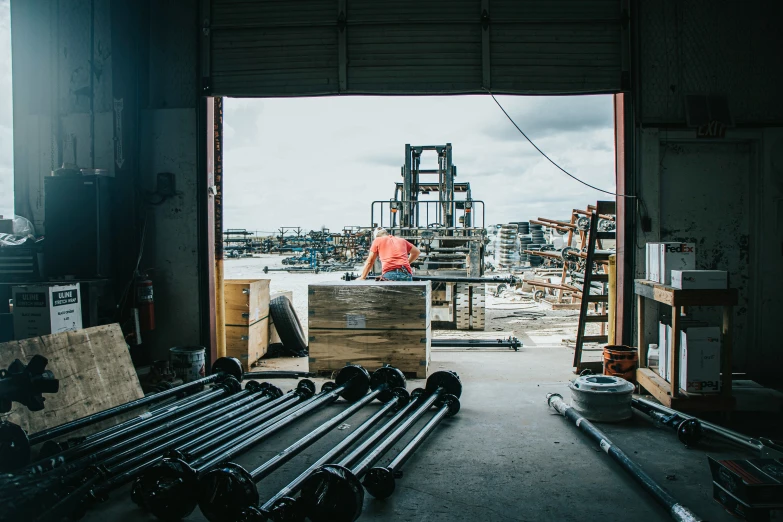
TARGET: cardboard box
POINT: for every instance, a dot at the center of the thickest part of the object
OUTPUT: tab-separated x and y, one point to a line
754	482
46	309
662	258
700	279
700	359
247	319
664	350
737	508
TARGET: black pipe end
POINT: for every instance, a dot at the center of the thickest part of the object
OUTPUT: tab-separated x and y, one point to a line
231	385
286	509
167	489
328	386
305	388
223	491
255	386
388	377
251	514
690	432
451	402
229	366
417	393
50	448
403	397
356	380
379	482
447	380
14	447
332	493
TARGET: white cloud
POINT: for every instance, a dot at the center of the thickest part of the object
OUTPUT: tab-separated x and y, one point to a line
313	161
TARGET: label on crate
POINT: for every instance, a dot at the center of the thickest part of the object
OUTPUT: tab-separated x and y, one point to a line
355	321
64	297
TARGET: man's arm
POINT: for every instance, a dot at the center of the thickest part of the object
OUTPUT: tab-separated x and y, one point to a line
368	264
413	254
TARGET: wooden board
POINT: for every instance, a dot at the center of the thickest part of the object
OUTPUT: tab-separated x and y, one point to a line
246	300
94	369
248	343
407	350
659	388
393	305
273	337
675	297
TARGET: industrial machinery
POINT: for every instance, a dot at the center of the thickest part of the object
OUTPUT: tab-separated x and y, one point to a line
448	230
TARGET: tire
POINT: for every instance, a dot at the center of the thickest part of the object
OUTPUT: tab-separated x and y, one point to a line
288	327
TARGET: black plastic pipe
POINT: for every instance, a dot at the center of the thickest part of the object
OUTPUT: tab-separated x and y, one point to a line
228	488
334	493
283	507
167	489
676	510
689	431
380	482
510	342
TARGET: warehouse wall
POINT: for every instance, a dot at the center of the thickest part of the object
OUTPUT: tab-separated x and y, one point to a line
133	65
725	194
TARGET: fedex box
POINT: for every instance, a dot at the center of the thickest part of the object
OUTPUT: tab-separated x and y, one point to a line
700	359
700	279
662	258
46	309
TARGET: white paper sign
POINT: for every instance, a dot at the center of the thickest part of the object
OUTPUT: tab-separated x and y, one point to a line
355	321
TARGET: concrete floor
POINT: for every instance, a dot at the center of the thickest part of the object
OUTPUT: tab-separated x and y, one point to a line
505	456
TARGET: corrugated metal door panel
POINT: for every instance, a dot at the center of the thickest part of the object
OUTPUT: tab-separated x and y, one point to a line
281	48
275	61
238	13
558	57
414	58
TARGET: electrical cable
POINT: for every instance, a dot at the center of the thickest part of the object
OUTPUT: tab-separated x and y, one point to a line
550	159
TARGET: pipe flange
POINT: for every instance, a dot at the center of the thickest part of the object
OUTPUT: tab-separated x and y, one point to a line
690	432
328	386
403	398
230	384
448	380
356	380
417	393
166	489
286	509
255	386
332	493
388	377
229	366
306	388
224	489
380	482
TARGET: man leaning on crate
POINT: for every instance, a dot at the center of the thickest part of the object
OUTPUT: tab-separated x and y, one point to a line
396	256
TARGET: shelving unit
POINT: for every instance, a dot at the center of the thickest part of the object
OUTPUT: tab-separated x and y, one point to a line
668	392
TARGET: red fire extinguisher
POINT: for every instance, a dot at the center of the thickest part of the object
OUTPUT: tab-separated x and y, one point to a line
145	302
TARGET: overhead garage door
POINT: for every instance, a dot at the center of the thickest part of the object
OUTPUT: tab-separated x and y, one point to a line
319	47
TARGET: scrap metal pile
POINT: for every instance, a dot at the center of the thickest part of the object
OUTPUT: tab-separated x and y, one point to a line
179	455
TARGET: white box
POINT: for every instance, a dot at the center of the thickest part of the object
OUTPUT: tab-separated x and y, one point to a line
700	279
676	256
664	350
653	262
700	359
46	309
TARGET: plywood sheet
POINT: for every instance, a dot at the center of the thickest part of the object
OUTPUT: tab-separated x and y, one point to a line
94	369
248	343
246	300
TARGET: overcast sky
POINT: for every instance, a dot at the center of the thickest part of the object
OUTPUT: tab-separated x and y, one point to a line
312	162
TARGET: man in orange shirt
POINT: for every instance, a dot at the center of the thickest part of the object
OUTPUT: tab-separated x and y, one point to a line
396	256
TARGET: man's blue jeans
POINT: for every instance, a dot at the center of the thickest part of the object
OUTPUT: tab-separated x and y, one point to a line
398	275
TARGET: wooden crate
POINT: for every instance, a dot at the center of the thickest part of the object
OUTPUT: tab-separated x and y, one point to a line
248	343
393	305
95	372
370	323
246	301
407	350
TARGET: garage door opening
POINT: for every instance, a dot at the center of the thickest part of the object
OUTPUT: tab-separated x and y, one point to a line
303	177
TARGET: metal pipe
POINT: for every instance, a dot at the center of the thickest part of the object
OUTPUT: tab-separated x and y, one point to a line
278	374
676	510
227	388
224	367
281	506
510	342
225	490
334	493
380	481
766	448
167	489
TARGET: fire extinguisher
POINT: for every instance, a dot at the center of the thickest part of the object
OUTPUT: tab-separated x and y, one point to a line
145	302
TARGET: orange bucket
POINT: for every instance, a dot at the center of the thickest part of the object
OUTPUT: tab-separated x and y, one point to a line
621	361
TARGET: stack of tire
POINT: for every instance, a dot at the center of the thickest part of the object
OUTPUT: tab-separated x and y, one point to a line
524	242
536	243
507	245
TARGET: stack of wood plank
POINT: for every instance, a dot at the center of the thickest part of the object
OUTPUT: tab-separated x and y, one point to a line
247	319
370	323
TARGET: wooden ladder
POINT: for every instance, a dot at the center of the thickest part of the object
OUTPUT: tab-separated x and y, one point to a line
601	299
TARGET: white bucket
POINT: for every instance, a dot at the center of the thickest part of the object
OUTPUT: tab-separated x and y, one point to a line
188	362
